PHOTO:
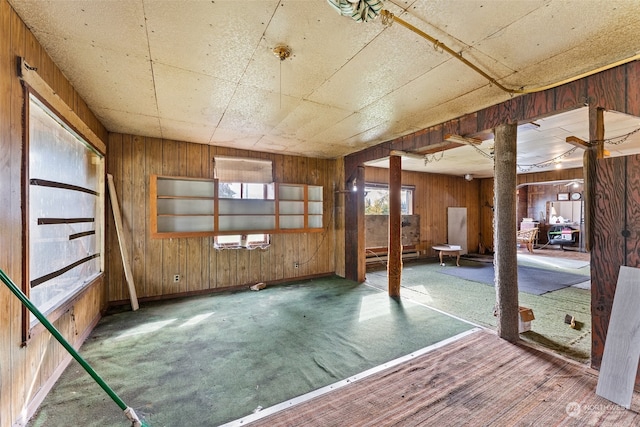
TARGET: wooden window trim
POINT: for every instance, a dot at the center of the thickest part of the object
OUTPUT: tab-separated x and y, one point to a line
33	85
217	231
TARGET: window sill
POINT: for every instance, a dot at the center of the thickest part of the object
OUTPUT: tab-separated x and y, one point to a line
59	311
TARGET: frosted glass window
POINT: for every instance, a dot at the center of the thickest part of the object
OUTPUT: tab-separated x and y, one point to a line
184	224
315	208
315	221
290	192
291	221
185	207
65	210
185	188
245	206
246	222
315	193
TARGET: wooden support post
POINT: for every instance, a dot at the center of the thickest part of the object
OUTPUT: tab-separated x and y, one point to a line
394	265
355	256
590	157
505	260
123	246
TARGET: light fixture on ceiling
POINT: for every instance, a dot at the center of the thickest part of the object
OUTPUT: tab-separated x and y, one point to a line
283	52
468	177
358	10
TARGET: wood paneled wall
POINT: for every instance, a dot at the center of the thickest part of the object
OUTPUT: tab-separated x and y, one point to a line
616	239
534	193
614	89
339	223
435	193
154	262
27	372
617	89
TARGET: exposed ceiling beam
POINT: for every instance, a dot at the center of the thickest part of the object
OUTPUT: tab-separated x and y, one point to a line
462	139
574	140
407	154
437	147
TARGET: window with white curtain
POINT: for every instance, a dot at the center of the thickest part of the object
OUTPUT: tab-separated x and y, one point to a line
243	170
243	178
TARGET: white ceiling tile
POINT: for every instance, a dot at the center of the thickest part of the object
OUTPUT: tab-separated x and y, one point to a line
189	96
225	137
217	38
186	131
129	123
117	26
309	119
204	71
97	73
480	20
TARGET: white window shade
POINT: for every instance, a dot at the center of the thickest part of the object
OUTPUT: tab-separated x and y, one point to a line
238	169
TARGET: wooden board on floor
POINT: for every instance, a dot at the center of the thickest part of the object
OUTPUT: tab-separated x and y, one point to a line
480	378
622	348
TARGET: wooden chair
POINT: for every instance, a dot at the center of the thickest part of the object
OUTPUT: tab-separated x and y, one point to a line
527	237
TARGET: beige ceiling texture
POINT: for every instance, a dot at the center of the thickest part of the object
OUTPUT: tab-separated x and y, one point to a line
205	71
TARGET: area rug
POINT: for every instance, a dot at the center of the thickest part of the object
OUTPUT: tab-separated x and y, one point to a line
553	262
531	280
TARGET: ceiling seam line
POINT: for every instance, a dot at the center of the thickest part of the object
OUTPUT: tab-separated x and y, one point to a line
235	89
153	74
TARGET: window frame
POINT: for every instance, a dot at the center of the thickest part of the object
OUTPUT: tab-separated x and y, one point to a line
383	186
242	241
29	329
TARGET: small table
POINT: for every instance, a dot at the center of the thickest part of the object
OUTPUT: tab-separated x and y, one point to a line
446	250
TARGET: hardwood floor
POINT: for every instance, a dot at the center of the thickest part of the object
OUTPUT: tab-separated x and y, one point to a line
479	380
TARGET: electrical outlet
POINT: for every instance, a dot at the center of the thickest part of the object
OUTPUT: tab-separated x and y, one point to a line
176	278
296	265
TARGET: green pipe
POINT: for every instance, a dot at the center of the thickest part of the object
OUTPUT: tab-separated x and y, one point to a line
129	413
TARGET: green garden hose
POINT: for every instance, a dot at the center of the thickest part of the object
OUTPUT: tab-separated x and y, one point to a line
128	412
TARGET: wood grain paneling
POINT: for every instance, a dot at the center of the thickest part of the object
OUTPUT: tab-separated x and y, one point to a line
27	373
9	314
339	225
507	112
632	91
537	105
569	96
200	267
608	252
607	89
434	193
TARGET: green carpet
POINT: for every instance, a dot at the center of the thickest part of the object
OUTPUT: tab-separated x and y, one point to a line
209	360
424	282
